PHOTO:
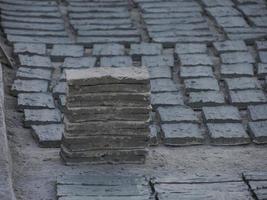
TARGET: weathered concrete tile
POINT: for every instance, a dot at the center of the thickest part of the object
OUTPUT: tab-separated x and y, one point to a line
262	69
180	134
35	61
221	114
211	3
116	61
160	60
145	49
243	98
35	101
29	48
34	73
227	134
230	46
258	131
163	85
242	83
82	62
195	59
263	56
206	98
257	112
190	48
159	72
167	99
177	114
41	117
22	86
111	49
223	11
59	51
201	84
231	21
236	70
196	72
48	135
237	57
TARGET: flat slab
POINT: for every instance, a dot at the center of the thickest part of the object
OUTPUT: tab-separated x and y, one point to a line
201	84
30	48
108	50
22	86
36	61
237	57
195	59
107	75
230	46
167	99
116	61
257	112
206	98
28	73
67	50
242	83
163	85
258	131
159	60
48	136
76	63
237	70
227	134
190	48
144	49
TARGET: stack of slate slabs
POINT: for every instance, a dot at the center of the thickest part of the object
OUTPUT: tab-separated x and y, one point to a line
107	115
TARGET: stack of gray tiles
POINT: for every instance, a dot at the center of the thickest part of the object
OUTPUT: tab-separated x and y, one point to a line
107	115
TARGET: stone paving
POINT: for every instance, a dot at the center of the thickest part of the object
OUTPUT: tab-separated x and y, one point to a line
206	60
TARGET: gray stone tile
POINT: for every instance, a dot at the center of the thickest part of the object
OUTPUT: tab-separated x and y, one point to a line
261	45
82	62
160	72
207	98
190	48
258	131
243	98
263	56
160	60
227	134
223	11
163	85
211	3
230	46
59	51
201	84
35	61
180	134
166	99
195	59
48	136
196	72
257	112
34	73
145	49
116	61
237	57
35	101
262	69
221	114
236	70
108	50
177	114
29	48
231	21
60	88
242	83
21	86
41	117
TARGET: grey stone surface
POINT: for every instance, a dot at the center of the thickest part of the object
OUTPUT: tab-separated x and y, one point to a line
34	73
237	70
196	72
206	98
177	114
244	98
242	83
144	49
29	48
263	56
230	46
160	60
262	69
163	85
237	57
261	45
112	49
48	135
167	99
211	3
195	59
116	61
35	101
258	131
223	11
154	135
231	21
221	114
60	88
159	72
82	62
35	61
180	134
201	84
59	50
227	134
190	48
20	86
62	102
41	117
257	112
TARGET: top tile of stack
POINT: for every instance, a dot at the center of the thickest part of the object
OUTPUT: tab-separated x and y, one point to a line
108	75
